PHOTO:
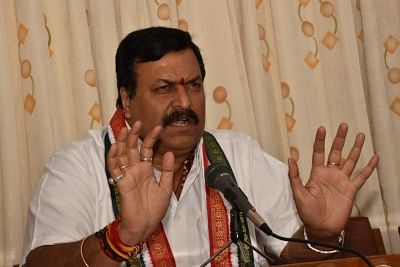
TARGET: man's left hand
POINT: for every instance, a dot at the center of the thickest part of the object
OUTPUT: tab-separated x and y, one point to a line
325	202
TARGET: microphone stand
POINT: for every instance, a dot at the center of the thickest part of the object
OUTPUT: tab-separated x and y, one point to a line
237	237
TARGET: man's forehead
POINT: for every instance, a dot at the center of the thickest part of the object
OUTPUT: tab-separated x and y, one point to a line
172	67
180	79
186	55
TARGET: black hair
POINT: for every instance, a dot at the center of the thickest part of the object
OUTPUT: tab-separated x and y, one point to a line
149	44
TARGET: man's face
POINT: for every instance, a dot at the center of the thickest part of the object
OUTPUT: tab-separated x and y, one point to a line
170	92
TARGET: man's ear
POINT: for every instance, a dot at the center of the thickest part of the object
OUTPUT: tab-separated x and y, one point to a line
126	101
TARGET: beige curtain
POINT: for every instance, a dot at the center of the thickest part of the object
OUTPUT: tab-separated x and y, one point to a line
276	70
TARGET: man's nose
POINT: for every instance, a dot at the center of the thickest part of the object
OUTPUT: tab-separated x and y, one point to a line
182	99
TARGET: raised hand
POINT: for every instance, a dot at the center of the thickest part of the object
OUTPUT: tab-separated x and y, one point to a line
324	203
143	199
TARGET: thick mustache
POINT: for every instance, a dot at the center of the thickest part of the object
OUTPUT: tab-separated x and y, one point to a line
179	115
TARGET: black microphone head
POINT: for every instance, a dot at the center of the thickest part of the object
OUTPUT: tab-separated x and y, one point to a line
220	177
215	175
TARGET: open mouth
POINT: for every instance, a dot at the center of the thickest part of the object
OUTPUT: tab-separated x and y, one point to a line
181	123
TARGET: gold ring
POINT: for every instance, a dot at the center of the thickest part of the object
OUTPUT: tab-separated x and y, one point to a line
123	167
334	164
113	181
150	159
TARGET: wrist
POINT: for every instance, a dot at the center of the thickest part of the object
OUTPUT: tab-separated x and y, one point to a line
322	236
114	247
126	235
334	241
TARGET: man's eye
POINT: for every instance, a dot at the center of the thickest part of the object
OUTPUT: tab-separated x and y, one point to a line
194	85
163	88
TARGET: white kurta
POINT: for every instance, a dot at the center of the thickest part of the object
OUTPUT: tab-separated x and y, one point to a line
73	199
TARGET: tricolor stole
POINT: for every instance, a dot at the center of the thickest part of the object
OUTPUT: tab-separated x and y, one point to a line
157	251
215	155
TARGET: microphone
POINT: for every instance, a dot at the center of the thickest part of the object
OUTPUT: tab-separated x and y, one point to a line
220	177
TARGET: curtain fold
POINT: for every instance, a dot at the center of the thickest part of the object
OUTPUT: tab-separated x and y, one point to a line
14	180
381	34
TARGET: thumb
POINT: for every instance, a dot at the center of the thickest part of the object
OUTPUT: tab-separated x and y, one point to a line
167	173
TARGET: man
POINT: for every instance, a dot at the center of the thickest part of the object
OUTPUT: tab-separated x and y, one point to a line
160	211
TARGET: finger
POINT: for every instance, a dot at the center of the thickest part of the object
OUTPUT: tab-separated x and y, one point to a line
132	150
295	181
167	173
366	172
121	147
352	158
113	160
318	158
115	157
121	141
146	149
335	153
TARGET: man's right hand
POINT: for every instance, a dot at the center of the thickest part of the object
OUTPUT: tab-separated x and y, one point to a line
143	200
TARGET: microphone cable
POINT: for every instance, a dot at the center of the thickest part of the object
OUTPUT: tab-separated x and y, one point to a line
264	227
